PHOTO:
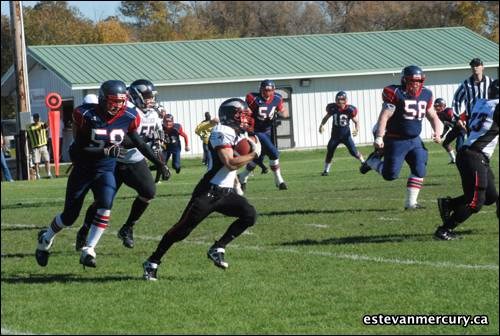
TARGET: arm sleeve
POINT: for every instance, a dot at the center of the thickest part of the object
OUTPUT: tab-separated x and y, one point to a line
184	135
144	148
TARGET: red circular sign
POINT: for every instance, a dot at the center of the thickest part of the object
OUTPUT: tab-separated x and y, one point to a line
53	101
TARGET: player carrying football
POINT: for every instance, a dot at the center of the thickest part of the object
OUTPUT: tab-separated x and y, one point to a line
215	191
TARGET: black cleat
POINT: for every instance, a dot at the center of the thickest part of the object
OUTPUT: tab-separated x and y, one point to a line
264	170
365	168
324	173
444	209
415	207
81	238
177	170
216	254
150	270
445	234
42	251
451	162
87	258
126	234
283	186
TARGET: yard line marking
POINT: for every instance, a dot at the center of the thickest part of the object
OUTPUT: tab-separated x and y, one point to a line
355	257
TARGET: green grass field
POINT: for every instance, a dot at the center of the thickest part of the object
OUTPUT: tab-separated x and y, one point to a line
322	255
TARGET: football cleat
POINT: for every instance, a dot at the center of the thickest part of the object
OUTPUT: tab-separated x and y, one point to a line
87	258
452	162
264	170
445	234
325	173
365	168
444	209
177	170
42	250
81	238
150	270
415	206
126	234
282	186
216	254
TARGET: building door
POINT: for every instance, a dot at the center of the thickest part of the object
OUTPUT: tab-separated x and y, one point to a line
283	132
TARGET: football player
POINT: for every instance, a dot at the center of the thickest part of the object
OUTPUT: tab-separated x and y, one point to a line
342	114
172	142
452	129
398	132
215	192
473	163
265	106
99	130
132	169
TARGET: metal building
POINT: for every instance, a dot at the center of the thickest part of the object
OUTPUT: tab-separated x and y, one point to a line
196	76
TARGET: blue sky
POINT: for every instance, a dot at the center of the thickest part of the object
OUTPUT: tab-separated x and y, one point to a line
94	10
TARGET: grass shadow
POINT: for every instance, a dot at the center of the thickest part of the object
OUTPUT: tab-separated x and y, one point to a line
62	278
313	211
377	239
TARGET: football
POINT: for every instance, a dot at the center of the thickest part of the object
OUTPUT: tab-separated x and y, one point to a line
243	147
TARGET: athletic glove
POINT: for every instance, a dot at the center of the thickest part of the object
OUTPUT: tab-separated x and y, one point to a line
321	128
256	147
165	172
354	132
115	151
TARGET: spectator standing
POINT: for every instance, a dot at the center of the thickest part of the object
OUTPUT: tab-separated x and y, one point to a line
5	169
203	130
37	139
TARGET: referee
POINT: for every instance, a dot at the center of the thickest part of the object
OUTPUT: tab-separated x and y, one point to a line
37	138
471	90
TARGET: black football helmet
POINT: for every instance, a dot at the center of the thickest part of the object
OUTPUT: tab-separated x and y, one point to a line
113	97
143	93
412	80
235	113
493	90
266	88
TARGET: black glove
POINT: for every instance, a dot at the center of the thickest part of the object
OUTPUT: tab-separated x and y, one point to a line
165	172
115	151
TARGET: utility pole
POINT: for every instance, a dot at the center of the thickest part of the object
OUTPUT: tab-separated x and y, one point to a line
23	115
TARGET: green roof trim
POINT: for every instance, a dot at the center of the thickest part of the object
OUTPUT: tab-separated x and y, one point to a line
251	59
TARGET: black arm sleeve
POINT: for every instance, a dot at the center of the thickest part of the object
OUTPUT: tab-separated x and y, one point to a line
144	148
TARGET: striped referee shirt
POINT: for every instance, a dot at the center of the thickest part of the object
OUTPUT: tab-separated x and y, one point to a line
468	93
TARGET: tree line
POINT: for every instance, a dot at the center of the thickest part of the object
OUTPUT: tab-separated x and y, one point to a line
48	22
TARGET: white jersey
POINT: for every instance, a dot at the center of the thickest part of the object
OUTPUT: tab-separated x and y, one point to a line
222	137
149	128
483	124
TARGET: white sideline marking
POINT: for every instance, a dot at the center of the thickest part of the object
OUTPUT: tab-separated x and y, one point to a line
357	257
7	331
320	226
390	219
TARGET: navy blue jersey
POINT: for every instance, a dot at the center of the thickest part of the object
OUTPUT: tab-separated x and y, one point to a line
341	119
96	129
172	137
406	121
263	110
